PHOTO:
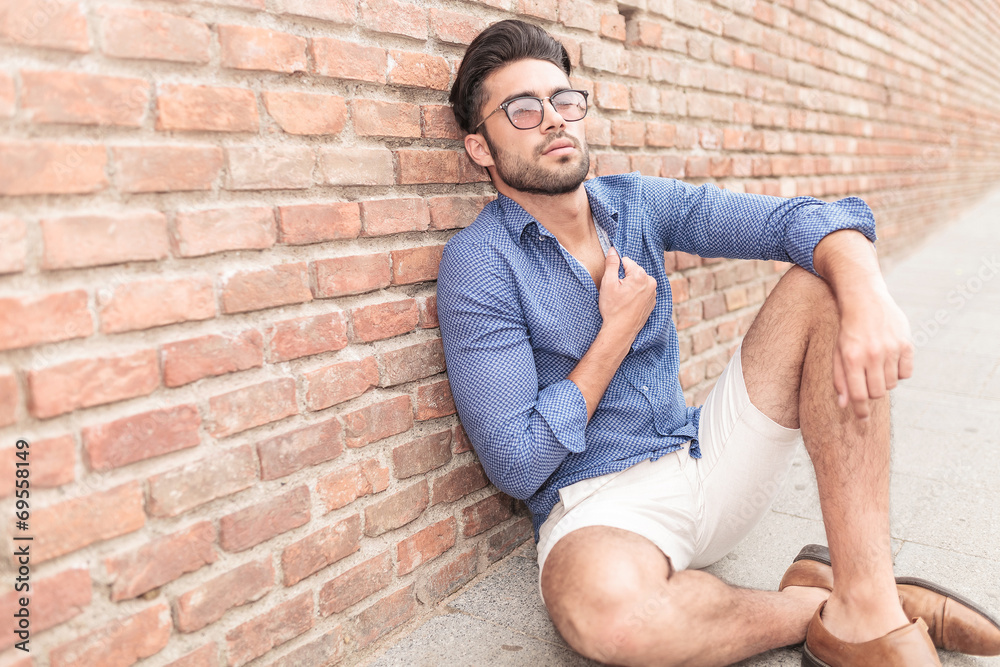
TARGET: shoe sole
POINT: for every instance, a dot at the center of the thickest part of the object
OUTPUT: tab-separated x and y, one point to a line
809	660
821	554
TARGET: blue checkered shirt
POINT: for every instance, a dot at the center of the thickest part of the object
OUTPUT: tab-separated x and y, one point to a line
518	312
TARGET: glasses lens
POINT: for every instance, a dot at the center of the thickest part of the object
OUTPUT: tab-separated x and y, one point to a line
570	104
525	112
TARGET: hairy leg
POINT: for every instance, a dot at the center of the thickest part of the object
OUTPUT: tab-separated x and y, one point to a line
788	369
614	597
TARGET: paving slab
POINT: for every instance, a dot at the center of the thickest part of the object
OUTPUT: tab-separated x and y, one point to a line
945	516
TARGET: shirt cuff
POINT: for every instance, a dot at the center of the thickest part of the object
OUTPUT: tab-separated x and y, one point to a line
848	213
564	410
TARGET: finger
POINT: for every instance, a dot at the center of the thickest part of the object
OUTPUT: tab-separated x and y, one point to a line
906	361
875	376
611	259
891	371
839	379
857	387
632	268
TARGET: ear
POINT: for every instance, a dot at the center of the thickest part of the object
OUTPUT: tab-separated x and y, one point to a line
475	146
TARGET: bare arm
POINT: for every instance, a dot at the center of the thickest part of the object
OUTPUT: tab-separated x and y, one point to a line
874	349
625	305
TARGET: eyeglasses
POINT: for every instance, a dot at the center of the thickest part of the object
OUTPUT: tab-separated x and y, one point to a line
527	112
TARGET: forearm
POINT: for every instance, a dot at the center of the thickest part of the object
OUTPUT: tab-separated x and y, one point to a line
594	371
847	260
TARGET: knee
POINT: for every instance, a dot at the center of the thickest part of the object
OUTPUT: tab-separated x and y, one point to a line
814	295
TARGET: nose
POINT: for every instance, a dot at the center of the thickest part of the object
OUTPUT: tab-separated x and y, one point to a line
551	120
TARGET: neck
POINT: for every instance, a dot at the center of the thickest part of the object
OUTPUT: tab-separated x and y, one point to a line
567	216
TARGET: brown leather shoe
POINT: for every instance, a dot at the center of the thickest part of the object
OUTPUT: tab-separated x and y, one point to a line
954	622
908	646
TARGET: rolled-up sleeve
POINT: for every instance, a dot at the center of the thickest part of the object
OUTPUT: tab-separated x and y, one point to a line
710	222
520	432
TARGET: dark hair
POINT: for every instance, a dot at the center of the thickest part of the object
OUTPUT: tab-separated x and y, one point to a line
500	44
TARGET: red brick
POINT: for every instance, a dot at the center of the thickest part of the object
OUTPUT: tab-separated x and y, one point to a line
687	314
418	166
455	27
543	9
346	485
277	285
373	118
612	163
149	35
346	60
54	600
51	24
258	523
161	561
611	96
422	454
83	383
579	14
321	549
508	538
85	99
714	306
384	320
660	134
336	11
387	614
95	240
448	578
428	312
434	400
145	304
210	601
469	172
270	168
73	524
396	510
259	635
305	336
293	451
398	18
219	474
355	274
355	166
339	382
613	26
8	95
124	641
377	421
166	168
252	406
356	584
628	133
673	166
246	47
439	122
208	108
313	223
217	230
458	483
461	438
416	265
455	212
206	656
410	363
425	545
420	70
678	289
215	354
13	244
47	167
52	462
392	216
486	514
326	651
692	373
10	399
306	113
142	436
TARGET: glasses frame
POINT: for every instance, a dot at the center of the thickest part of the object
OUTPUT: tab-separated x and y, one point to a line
541	101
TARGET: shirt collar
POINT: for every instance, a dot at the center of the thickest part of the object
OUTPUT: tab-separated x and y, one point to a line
603	206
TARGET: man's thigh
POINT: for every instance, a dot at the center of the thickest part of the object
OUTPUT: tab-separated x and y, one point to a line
595	569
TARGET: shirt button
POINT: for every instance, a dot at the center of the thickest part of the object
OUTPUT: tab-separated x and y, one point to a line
645	388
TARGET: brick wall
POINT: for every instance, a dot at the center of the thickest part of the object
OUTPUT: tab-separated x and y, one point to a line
221	226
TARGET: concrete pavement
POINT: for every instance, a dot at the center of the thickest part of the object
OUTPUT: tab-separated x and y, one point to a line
945	491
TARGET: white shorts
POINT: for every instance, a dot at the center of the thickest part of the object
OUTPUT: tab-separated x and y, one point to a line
695	510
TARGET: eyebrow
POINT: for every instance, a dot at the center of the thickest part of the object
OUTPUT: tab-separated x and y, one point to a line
530	93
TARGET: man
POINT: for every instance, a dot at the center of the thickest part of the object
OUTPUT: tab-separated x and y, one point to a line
555	313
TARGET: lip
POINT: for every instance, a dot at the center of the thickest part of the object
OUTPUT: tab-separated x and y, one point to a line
560	147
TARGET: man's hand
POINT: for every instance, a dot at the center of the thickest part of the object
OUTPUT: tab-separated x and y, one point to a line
874	349
625	303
